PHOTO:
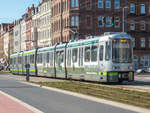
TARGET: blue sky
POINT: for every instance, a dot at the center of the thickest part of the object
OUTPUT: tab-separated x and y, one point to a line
14	9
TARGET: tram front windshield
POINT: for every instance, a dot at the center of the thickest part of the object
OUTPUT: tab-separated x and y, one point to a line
122	51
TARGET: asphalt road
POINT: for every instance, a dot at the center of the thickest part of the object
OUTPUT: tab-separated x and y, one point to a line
53	102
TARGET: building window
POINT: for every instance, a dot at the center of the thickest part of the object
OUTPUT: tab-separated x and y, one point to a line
133	42
100	21
100	3
117	22
108	21
74	20
132	25
74	3
142	42
88	21
149	42
88	4
108	4
142	8
117	4
142	25
149	8
132	8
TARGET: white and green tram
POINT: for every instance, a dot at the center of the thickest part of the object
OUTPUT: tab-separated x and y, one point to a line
107	58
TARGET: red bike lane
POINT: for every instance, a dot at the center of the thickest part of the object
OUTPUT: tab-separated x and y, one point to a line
8	105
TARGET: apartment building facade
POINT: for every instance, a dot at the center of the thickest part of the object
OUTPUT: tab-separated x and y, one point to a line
34	28
44	23
138	21
73	19
17	36
29	41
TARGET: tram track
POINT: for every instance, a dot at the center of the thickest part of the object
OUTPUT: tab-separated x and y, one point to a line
141	99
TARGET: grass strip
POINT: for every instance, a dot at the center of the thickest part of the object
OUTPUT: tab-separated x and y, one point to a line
141	99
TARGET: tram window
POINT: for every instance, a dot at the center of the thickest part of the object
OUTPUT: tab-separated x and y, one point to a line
51	59
11	61
59	56
74	54
94	53
14	60
38	59
32	59
47	57
107	52
41	59
87	54
19	60
26	59
69	58
62	56
101	53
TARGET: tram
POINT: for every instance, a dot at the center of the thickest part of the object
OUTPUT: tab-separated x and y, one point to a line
106	58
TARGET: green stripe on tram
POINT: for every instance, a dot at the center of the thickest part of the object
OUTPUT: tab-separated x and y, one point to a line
108	73
31	70
113	74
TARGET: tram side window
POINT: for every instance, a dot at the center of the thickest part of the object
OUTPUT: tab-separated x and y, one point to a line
19	60
101	50
47	57
69	58
87	54
51	59
74	54
14	60
59	57
94	53
32	59
11	61
40	60
107	52
62	56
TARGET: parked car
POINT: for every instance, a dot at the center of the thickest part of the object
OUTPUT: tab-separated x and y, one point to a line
143	70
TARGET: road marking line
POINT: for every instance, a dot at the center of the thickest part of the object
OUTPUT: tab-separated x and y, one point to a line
107	102
22	103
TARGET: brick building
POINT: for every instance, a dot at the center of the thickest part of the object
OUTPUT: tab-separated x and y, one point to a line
29	41
94	17
87	17
138	20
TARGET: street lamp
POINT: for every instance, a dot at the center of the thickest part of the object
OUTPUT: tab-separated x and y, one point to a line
75	32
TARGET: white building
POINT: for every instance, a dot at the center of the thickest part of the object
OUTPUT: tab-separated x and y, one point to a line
44	23
6	45
23	33
17	37
34	27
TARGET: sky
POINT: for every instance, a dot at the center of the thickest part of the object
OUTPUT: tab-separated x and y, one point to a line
11	10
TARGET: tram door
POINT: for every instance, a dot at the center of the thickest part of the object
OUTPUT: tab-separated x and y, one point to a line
101	61
80	56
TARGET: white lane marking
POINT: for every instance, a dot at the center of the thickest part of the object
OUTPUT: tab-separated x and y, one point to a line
33	109
107	102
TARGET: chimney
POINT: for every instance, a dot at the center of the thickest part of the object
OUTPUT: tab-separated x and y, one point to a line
32	6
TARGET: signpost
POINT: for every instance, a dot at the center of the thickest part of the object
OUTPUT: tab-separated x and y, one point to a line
27	66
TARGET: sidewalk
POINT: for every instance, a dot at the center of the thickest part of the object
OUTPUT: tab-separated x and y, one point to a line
8	105
32	78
